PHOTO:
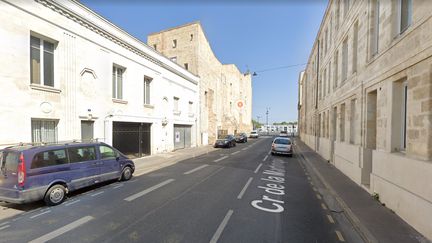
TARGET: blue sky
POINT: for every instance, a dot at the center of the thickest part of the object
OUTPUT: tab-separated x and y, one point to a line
259	35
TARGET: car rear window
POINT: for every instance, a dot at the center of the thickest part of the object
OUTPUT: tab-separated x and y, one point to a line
49	158
81	154
9	160
282	141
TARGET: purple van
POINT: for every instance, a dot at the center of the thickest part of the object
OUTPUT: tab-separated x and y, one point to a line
32	173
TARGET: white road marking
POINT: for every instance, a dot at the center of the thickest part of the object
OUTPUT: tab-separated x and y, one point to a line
73	202
314	188
15	219
7	222
217	160
257	169
221	227
197	168
62	230
330	218
236	152
323	206
118	186
98	193
142	193
37	215
244	149
318	196
265	158
4	227
244	188
339	235
269	152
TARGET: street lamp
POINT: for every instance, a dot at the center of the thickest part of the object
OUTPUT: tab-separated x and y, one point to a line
267	112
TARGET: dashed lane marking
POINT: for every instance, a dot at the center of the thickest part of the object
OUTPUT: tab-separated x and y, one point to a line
265	158
7	222
221	227
217	160
318	196
37	215
4	227
196	169
244	149
62	230
257	169
142	193
339	235
73	202
323	206
244	188
98	193
118	186
330	218
236	152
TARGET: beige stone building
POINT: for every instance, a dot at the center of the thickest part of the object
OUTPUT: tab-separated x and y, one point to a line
366	100
225	92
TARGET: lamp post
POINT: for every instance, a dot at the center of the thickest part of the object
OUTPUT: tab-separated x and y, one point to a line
267	112
258	117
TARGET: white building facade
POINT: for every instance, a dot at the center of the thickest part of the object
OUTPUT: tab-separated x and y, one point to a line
67	73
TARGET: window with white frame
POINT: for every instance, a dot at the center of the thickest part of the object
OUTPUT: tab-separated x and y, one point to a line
117	82
176	104
41	61
399	115
44	130
147	87
191	107
404	14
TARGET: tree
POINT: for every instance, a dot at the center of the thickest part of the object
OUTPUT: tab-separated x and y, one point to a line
256	124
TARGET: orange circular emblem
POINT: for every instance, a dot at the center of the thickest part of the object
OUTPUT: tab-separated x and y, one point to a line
240	104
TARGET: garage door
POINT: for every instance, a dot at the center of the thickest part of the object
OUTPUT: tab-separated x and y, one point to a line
132	138
182	136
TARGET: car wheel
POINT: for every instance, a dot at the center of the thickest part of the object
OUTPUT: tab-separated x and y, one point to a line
55	195
126	174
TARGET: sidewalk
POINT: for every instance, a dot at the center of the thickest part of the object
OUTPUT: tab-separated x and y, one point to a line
151	163
374	222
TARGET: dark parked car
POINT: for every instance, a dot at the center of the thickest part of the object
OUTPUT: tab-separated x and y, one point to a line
241	138
32	173
227	142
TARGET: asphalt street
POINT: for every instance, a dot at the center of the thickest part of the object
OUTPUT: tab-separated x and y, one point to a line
241	194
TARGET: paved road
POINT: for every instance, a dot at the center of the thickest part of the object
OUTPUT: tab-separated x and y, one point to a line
241	194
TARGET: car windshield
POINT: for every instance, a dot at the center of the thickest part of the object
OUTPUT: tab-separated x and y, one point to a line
282	141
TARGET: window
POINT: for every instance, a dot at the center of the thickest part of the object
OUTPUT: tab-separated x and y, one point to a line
186	66
176	104
345	59
147	82
374	32
49	158
355	44
155	46
117	82
174	59
335	70
191	37
404	14
44	131
353	121
205	98
399	115
9	161
107	152
337	13
41	61
190	107
81	154
342	123
346	7
174	43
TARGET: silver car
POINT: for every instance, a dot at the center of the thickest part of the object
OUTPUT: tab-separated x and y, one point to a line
282	145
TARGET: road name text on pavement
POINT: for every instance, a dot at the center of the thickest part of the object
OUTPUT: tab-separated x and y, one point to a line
275	178
62	230
221	227
196	169
142	193
217	160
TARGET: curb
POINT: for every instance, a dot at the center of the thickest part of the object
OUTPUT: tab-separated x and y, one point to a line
359	227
